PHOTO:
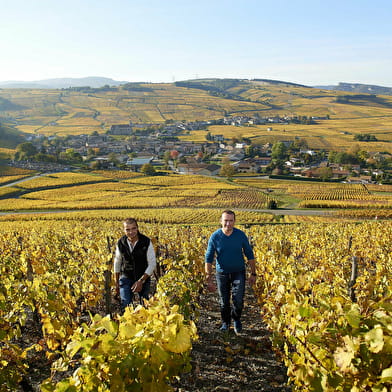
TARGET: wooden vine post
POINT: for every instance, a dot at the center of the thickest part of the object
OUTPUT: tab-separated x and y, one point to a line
353	278
108	280
30	278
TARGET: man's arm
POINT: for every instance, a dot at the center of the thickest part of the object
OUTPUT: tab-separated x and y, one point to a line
152	262
211	286
209	258
252	276
117	270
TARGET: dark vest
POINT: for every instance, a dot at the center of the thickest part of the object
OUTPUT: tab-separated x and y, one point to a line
134	263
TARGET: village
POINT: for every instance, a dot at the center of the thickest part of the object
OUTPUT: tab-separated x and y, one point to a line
158	146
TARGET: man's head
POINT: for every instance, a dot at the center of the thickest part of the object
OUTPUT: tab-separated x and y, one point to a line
227	221
130	228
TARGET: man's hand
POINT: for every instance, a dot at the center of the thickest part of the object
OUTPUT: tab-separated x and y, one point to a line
211	286
117	293
137	286
252	279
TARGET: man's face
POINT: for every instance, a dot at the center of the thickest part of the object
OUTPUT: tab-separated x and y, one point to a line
227	222
130	230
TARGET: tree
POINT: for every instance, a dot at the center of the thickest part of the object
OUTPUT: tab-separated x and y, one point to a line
148	169
234	140
227	170
354	149
325	173
199	156
343	157
300	144
279	151
272	204
25	151
363	155
95	165
41	157
250	151
70	155
174	154
166	158
91	153
112	158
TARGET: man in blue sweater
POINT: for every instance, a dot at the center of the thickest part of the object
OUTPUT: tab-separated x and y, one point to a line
229	245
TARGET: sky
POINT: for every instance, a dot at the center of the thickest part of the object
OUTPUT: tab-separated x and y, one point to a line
310	42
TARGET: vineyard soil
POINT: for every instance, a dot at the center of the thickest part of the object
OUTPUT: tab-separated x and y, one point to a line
222	361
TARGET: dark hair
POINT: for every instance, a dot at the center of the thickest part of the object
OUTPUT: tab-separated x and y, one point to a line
230	212
130	221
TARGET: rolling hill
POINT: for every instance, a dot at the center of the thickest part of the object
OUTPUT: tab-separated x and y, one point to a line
79	110
360	88
90	81
9	137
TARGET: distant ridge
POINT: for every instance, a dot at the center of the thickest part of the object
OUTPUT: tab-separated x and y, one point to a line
272	81
359	88
90	81
98	81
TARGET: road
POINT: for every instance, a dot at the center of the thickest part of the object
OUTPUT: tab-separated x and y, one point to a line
22	180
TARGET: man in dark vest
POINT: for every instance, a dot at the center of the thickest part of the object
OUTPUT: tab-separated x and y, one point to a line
134	263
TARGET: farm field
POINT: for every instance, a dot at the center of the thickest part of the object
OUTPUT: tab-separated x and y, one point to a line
303	271
178	198
330	134
54	222
67	112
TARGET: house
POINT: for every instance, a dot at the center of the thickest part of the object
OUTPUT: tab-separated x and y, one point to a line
236	156
210	170
263	161
360	180
190	168
338	174
247	166
198	168
136	164
121	129
217	138
239	146
309	152
103	162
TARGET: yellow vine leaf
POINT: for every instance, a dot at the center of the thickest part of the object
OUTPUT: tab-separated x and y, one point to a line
375	338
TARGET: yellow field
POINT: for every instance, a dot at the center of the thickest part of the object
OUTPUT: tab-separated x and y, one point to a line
61	179
7	179
65	112
6	170
175	195
303	272
91	191
188	216
6	153
327	134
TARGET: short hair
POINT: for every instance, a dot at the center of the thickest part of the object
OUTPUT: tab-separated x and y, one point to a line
230	212
130	221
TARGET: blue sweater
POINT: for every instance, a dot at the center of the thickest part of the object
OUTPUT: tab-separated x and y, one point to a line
229	250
